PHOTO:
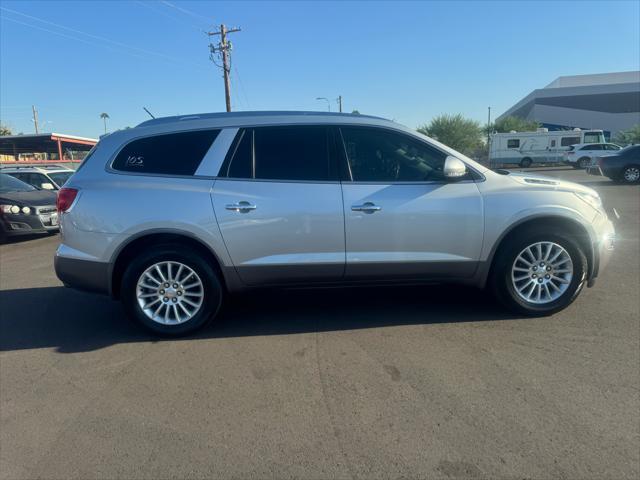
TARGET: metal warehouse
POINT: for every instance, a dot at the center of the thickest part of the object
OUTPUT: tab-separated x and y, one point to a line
606	101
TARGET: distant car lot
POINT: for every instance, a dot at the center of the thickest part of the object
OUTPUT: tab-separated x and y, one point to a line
413	382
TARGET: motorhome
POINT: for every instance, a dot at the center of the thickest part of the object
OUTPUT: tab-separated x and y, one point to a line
541	146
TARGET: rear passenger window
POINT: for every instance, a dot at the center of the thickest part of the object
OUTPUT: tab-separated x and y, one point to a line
171	154
291	153
241	165
513	143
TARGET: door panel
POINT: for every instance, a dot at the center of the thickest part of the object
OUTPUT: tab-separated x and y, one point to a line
279	232
420	230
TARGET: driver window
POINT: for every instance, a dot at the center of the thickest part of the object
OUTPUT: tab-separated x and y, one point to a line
377	155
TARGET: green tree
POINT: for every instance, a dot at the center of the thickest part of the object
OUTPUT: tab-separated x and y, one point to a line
455	131
5	130
628	137
508	124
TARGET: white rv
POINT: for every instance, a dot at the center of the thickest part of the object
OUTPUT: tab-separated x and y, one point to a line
541	146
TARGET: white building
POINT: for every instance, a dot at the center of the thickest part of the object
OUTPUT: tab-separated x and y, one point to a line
607	101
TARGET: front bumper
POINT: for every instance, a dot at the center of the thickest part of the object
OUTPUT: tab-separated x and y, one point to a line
20	224
83	275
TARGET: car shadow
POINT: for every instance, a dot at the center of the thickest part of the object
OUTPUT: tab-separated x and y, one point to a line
71	321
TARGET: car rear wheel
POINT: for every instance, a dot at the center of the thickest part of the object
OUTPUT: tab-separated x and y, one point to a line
584	162
525	162
539	272
171	291
631	174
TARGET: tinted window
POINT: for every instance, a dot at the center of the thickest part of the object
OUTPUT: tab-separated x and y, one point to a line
172	154
513	143
291	153
567	141
241	165
377	155
593	147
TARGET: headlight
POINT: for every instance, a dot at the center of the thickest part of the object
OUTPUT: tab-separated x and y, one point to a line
594	200
15	209
10	208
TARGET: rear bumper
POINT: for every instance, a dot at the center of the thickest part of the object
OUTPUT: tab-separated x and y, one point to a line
83	275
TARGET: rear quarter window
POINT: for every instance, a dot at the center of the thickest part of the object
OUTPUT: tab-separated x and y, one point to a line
170	154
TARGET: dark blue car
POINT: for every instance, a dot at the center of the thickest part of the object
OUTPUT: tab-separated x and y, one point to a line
621	166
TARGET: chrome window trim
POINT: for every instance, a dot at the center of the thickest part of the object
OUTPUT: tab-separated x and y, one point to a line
271	180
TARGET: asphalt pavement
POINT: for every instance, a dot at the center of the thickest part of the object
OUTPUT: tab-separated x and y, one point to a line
420	382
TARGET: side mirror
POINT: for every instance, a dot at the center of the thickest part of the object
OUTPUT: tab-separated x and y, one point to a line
47	186
454	168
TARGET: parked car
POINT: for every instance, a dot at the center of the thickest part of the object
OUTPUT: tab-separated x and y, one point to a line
174	214
581	155
621	166
43	177
24	209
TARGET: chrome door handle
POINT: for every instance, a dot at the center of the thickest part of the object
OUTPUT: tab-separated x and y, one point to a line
242	207
366	207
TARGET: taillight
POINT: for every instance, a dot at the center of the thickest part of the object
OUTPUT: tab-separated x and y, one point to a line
66	196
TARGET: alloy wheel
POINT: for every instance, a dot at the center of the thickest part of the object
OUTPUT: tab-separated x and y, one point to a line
542	272
632	174
170	293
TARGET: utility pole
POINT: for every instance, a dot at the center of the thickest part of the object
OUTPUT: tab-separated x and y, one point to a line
224	50
489	126
339	99
35	117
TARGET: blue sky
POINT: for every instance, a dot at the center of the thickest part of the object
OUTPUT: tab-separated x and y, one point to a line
408	61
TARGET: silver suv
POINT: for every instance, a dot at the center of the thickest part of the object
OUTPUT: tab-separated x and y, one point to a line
172	215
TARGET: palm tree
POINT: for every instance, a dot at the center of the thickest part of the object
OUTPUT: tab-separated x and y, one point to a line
104	117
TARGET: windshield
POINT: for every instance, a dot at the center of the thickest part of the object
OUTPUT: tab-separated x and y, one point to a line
594	137
12	184
60	178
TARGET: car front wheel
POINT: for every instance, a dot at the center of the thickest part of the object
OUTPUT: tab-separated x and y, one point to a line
631	174
539	273
171	291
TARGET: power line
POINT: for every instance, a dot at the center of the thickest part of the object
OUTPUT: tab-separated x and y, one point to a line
244	93
165	14
188	12
97	37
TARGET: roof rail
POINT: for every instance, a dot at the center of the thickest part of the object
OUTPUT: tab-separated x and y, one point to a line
213	115
5	165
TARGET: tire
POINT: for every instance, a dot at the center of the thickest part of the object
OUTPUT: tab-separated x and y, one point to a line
525	162
583	162
506	288
196	282
630	174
